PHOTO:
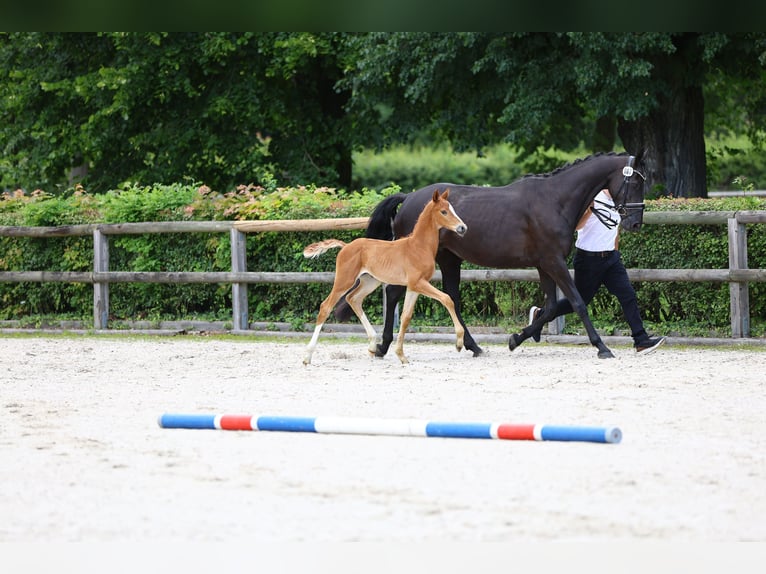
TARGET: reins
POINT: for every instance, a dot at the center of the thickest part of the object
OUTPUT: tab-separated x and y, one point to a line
603	216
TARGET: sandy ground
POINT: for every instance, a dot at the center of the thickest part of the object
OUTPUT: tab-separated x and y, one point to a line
83	458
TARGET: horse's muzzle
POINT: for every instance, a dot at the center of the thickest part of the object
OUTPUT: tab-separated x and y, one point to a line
632	216
461	229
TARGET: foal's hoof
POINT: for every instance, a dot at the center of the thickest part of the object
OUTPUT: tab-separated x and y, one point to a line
606	354
513	341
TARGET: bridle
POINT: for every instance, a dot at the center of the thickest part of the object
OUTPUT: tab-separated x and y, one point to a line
627	173
620	207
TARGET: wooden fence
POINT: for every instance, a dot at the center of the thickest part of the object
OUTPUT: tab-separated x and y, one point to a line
738	275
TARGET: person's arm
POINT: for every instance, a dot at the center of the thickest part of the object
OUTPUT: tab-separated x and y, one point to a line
584	217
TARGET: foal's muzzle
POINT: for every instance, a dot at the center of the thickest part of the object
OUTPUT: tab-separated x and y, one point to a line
461	229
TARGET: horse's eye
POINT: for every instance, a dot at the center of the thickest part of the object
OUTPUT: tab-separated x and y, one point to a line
444	212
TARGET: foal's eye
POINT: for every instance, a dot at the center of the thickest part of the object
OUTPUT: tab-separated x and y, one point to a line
444	212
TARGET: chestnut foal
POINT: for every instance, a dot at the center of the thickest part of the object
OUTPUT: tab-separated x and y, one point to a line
409	261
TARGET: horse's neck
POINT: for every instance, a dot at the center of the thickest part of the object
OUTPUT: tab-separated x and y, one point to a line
576	201
426	232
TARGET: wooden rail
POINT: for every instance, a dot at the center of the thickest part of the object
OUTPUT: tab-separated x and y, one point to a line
737	275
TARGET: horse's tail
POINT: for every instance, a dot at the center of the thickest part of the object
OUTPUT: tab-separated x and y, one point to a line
316	249
381	224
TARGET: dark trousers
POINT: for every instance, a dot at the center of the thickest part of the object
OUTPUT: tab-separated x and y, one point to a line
593	271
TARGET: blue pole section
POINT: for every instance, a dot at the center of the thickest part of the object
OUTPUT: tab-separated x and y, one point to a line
288	424
172	421
587	434
458	430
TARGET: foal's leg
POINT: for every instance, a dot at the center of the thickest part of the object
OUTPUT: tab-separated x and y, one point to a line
425	288
340	286
429	290
367	284
404	320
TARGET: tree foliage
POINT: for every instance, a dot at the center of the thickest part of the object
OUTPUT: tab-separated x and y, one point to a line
235	108
538	90
221	108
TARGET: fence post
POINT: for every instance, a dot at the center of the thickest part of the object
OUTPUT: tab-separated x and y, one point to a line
738	291
239	290
100	289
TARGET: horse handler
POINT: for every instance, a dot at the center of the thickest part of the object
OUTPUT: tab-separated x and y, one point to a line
597	262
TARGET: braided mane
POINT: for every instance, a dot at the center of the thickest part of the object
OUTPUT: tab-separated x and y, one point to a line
574	163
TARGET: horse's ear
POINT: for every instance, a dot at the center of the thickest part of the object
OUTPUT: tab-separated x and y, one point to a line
445	195
436	195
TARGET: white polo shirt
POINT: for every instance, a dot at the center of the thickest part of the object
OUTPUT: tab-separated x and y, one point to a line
595	235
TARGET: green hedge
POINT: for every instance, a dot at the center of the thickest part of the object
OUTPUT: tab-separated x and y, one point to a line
413	167
732	164
169	252
689	308
704	305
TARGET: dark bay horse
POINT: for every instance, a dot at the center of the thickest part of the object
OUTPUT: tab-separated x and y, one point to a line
529	223
409	261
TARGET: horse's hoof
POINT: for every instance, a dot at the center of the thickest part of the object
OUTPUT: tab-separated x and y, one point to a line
513	341
380	351
607	354
475	349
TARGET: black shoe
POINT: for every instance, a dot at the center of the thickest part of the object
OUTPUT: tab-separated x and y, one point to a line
534	312
648	346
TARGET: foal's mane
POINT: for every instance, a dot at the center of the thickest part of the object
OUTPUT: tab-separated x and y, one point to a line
574	163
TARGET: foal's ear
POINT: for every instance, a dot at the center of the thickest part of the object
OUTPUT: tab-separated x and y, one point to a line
435	197
445	195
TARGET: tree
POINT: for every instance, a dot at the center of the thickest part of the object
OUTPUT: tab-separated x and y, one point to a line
219	108
537	90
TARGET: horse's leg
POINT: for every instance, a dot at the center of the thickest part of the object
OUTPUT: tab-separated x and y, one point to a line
343	309
548	313
404	320
425	288
392	293
449	264
340	286
571	293
366	285
565	282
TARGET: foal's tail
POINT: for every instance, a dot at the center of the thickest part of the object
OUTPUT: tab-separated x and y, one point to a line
316	249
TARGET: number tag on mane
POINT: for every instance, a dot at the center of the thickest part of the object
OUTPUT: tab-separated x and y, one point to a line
627	171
